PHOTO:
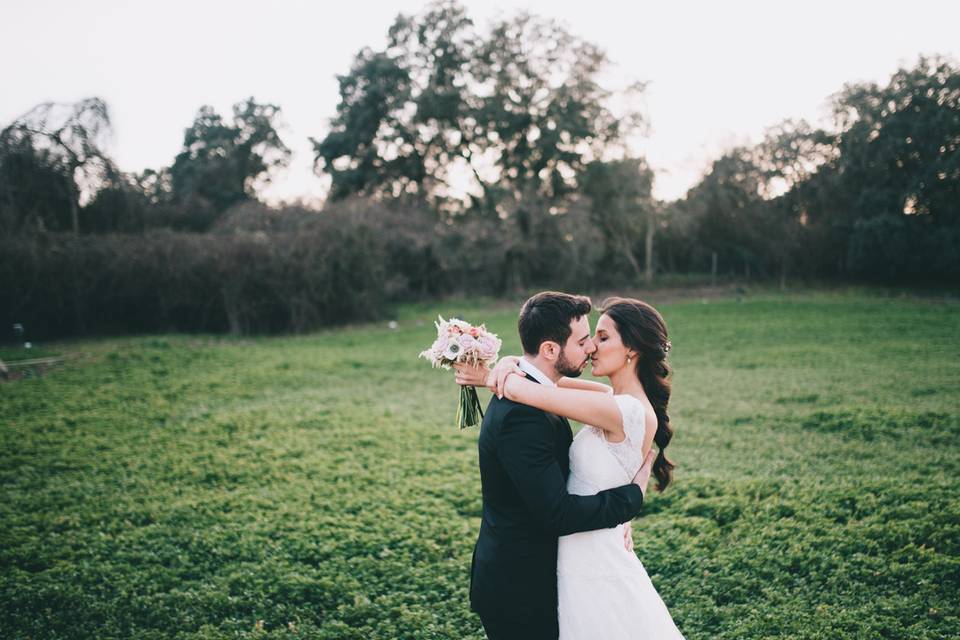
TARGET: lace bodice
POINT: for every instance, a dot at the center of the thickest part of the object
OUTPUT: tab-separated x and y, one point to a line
596	464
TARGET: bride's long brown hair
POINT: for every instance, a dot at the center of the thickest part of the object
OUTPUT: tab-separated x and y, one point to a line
642	329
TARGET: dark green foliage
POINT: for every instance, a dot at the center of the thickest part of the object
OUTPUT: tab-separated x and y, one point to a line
730	214
375	86
281	270
223	161
623	208
191	487
330	273
890	248
34	190
899	146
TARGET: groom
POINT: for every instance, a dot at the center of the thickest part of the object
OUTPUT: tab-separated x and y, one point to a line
524	464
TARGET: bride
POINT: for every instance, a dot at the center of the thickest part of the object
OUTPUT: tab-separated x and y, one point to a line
603	590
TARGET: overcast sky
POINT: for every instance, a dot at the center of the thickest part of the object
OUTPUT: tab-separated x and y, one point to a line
719	72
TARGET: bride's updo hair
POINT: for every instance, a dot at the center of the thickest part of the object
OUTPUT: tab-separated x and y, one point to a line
642	329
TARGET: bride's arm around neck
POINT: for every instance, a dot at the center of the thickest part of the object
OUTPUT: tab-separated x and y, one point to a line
585	385
581	404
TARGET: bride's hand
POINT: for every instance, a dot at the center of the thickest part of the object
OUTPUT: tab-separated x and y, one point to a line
506	366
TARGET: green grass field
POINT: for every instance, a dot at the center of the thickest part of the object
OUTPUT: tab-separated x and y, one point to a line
315	487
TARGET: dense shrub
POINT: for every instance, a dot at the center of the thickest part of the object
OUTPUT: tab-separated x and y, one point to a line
262	270
239	282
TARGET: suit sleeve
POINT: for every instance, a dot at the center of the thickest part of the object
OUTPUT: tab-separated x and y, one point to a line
526	450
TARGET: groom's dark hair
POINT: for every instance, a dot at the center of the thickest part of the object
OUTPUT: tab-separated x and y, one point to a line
547	316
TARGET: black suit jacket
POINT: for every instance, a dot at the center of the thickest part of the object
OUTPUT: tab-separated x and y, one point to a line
524	465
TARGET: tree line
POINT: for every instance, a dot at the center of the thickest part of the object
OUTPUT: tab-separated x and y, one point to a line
462	159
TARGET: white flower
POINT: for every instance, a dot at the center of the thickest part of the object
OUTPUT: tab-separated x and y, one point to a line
453	350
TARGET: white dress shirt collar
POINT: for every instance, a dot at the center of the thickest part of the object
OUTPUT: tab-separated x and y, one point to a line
535	373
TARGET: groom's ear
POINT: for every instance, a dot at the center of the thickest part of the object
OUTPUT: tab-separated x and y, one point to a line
550	350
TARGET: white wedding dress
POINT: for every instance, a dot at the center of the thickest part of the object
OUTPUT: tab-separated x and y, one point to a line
603	590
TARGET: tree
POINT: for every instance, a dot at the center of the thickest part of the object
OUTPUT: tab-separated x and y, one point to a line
446	112
899	145
34	190
622	207
894	158
726	205
543	107
356	153
224	162
64	143
790	153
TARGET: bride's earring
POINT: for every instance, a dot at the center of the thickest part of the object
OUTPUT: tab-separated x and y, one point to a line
628	359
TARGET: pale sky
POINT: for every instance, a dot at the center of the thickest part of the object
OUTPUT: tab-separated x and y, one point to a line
719	72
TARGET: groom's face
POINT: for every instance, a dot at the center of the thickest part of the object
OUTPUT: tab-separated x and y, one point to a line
577	351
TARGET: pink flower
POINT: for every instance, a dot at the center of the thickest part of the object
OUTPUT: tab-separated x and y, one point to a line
440	345
489	346
469	343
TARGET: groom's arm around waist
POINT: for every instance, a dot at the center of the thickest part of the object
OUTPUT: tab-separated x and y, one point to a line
526	449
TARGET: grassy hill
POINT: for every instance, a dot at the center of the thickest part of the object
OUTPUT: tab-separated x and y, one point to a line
315	486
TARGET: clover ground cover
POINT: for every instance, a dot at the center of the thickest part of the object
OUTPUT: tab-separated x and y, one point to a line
315	486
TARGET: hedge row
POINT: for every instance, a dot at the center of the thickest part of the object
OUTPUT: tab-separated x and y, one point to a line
263	271
242	283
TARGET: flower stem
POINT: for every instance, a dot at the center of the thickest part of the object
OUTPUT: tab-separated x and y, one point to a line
469	411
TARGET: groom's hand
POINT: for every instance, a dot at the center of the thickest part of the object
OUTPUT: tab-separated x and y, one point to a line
643	475
628	536
469	375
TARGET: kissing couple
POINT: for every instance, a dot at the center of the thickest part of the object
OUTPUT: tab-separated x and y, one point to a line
554	557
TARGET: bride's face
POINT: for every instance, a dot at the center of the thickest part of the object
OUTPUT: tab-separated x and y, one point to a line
611	354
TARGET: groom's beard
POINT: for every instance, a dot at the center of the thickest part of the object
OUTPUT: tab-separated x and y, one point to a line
566	368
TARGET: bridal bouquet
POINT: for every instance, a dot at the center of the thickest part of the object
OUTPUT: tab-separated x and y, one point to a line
459	341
